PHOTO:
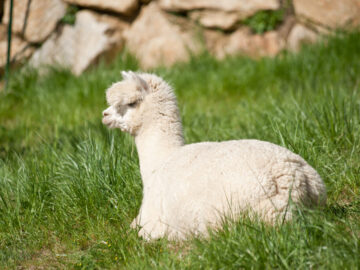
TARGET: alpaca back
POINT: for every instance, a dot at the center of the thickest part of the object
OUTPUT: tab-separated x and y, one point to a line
200	182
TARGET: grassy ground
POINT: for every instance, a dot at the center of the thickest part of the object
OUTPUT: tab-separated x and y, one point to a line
69	187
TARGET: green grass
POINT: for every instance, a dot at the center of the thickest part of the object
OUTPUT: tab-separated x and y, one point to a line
69	187
70	15
265	20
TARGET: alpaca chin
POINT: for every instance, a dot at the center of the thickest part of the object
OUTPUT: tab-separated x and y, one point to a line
106	121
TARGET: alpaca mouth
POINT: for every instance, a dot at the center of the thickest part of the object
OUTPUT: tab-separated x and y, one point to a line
106	121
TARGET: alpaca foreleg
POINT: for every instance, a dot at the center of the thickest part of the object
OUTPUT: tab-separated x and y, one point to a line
134	224
153	230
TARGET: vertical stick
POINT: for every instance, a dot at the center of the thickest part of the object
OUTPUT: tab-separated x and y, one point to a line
8	60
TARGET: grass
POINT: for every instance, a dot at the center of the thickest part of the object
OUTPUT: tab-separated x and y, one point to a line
265	20
69	187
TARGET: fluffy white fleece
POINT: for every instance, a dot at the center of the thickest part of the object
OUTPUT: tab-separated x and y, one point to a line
188	188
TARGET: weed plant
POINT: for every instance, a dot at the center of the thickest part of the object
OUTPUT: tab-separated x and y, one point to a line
265	20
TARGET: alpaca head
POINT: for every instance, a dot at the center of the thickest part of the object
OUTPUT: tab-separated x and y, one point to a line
126	103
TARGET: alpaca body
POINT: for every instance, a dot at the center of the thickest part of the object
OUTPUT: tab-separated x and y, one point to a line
190	187
195	188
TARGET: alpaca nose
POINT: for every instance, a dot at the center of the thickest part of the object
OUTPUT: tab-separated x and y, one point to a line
105	113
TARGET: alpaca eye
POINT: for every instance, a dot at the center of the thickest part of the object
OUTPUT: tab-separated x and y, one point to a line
132	104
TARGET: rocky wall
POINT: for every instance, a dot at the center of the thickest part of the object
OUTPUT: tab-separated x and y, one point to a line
77	33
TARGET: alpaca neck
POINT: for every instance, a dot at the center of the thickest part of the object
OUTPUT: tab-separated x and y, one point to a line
155	145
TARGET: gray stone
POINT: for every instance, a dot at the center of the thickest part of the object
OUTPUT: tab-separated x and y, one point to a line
126	7
78	47
216	18
20	49
299	35
329	13
245	7
243	42
157	38
35	20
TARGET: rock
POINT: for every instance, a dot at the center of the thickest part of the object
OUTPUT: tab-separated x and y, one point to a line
79	46
20	49
214	42
216	18
330	13
35	20
299	35
157	38
245	7
272	44
126	7
244	42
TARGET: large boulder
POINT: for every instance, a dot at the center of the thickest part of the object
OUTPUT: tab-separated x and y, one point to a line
329	13
20	49
157	38
300	35
246	7
244	42
35	20
79	46
126	7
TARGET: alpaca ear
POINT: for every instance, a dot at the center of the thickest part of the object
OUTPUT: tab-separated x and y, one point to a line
125	75
139	81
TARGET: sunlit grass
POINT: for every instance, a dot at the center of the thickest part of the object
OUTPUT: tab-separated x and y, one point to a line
69	187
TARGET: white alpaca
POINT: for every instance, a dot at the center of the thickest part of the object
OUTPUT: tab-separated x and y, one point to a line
190	187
